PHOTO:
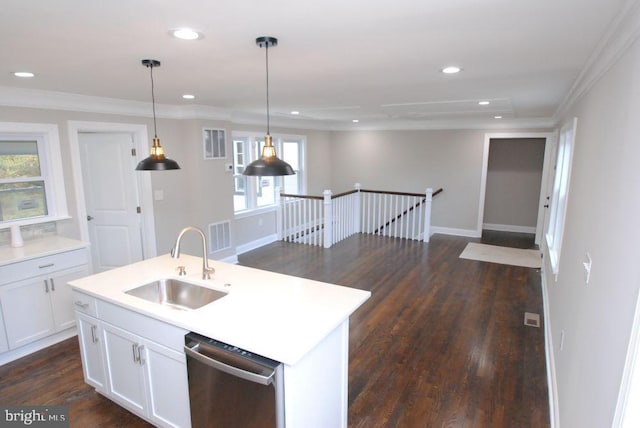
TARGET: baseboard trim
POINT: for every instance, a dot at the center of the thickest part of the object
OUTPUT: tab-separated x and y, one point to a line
30	348
244	248
455	232
509	228
552	386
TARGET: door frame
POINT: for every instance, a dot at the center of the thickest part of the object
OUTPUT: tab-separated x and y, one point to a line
143	178
547	170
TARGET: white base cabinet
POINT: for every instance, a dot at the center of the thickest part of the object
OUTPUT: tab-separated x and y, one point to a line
35	299
134	360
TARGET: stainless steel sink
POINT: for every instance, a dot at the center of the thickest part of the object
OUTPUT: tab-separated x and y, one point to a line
176	294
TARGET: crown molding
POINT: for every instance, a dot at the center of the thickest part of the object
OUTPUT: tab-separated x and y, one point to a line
51	100
621	34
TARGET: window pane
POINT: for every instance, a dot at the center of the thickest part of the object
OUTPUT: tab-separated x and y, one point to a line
19	159
290	154
22	200
266	191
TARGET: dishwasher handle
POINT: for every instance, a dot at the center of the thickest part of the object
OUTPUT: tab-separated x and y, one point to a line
192	351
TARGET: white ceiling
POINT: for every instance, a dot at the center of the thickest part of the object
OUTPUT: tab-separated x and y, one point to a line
337	60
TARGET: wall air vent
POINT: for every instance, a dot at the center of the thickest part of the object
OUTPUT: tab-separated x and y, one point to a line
531	320
214	143
219	236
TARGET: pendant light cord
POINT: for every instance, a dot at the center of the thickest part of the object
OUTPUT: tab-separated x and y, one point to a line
153	103
266	45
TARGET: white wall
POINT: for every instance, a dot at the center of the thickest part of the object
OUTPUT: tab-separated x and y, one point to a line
602	220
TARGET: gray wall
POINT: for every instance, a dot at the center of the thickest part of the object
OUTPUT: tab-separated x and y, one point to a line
411	161
602	220
514	174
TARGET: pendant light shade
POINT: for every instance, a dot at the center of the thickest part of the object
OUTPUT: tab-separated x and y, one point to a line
156	160
269	164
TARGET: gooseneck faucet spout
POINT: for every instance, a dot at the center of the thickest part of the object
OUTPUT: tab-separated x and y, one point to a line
175	251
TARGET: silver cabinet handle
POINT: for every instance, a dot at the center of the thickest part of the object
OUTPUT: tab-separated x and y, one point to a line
140	359
46	285
45	266
94	337
82	305
135	355
53	286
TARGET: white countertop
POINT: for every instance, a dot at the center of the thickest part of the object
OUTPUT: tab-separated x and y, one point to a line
278	316
38	248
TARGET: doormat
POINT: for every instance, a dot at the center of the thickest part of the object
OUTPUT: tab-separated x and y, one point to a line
502	255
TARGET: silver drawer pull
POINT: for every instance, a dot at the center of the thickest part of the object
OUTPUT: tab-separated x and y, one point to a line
82	305
46	266
53	286
46	286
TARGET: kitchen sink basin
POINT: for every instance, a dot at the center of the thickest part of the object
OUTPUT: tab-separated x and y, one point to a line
176	294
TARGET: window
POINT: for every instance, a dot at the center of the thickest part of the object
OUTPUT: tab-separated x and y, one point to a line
252	193
31	187
558	204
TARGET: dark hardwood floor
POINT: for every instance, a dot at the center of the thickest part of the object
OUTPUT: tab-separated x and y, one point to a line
441	342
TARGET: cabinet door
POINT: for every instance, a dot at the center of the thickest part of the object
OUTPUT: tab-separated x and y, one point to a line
62	296
125	377
90	339
4	345
26	307
166	373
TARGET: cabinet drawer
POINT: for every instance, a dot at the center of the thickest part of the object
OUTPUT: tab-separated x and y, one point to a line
85	303
158	331
43	265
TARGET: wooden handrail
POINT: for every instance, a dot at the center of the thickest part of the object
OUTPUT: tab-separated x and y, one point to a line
349	192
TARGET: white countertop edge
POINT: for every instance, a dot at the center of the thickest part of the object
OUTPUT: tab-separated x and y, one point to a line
35	248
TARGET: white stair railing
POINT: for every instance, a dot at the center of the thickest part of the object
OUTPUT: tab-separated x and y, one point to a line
328	219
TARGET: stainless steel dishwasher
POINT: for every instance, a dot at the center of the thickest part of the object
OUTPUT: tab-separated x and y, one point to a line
232	388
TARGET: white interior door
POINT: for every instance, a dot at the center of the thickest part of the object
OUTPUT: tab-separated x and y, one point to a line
111	197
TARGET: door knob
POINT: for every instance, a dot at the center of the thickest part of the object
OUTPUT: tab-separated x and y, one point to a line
89	218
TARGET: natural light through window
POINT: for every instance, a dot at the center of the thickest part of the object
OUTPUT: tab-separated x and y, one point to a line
560	193
31	185
252	193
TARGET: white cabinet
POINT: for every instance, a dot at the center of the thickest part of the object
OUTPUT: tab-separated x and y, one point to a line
91	351
38	307
35	299
4	344
134	360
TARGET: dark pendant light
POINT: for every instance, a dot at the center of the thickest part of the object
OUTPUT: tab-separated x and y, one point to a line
269	164
156	160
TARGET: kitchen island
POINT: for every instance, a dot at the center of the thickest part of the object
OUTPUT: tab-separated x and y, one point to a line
302	323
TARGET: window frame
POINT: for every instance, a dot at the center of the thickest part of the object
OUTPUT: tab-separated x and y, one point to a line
47	138
560	193
253	142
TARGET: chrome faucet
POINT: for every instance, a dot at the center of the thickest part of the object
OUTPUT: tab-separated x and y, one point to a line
175	251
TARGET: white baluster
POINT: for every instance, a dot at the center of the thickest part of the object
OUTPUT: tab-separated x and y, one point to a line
427	214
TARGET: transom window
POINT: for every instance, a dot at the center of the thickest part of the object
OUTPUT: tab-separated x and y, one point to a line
251	193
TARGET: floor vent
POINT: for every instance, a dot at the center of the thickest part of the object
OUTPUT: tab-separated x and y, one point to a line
219	236
531	320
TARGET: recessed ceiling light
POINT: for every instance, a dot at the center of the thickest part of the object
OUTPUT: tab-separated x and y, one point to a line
483	103
452	69
355	121
188	97
295	112
186	34
497	117
23	74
